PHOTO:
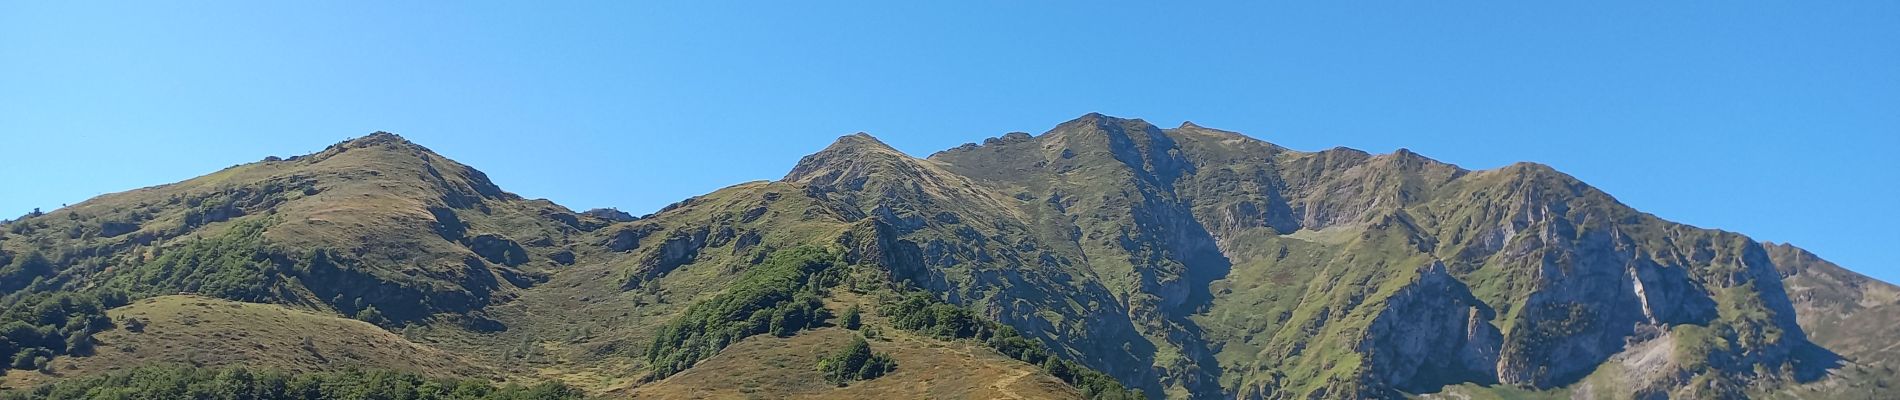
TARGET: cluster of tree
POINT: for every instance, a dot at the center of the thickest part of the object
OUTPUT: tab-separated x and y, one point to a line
242	384
855	362
20	226
921	313
234	265
779	296
23	271
37	326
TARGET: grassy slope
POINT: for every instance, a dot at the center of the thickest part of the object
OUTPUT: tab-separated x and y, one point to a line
209	332
401	221
585	322
765	366
576	327
1851	314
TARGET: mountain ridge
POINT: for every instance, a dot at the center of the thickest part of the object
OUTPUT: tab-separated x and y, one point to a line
1186	262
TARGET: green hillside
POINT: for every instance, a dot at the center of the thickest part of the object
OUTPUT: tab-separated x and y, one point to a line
1103	258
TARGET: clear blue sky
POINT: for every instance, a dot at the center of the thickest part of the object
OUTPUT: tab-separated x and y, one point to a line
1776	119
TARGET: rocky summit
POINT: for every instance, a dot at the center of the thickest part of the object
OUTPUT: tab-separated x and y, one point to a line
1103	258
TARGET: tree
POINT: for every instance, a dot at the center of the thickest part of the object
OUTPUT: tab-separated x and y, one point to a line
24	271
79	344
370	315
851	319
134	325
28	358
1058	368
855	362
782	323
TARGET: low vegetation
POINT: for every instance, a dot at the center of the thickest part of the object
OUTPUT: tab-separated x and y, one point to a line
238	383
921	313
782	296
234	265
855	362
778	296
38	326
23	271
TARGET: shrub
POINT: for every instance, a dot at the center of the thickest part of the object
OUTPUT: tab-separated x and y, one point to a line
851	318
855	362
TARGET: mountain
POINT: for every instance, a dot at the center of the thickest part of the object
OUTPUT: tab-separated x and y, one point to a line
1103	258
372	221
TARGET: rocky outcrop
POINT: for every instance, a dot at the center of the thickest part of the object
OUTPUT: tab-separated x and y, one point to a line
1432	333
116	228
628	238
610	214
448	225
498	249
679	248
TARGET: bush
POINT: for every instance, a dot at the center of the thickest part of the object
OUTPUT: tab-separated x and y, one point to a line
28	358
23	270
371	315
855	362
851	318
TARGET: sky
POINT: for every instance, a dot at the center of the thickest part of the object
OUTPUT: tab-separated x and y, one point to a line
1780	119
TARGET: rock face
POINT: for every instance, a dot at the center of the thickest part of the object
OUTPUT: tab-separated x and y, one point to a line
610	214
1432	333
498	249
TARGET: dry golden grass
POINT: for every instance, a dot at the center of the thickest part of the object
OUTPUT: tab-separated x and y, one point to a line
195	330
768	367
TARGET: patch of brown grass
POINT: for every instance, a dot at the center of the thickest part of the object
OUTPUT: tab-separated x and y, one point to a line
208	332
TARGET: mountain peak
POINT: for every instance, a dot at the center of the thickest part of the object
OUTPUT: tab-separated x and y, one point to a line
859	140
847	153
1097	123
376	138
1096	119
